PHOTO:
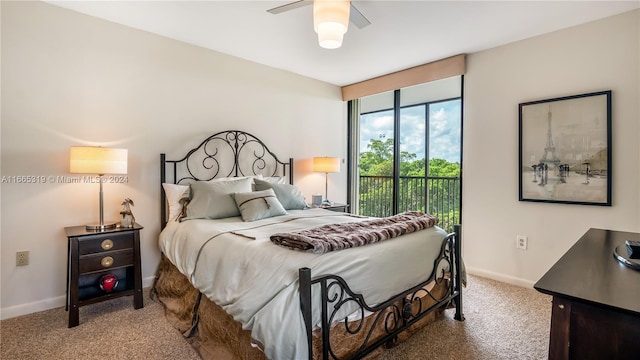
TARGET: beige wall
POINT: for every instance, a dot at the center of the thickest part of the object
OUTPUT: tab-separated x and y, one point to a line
71	79
597	56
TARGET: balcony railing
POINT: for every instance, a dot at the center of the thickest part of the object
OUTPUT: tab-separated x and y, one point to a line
439	196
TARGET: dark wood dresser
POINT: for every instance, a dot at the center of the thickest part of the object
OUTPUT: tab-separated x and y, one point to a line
596	300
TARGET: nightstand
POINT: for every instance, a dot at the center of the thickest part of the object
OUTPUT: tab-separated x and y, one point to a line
337	207
93	254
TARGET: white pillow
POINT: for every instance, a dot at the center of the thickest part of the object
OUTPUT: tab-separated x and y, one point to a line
173	194
258	205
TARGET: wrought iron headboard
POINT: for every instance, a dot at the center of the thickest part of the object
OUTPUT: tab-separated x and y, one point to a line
230	153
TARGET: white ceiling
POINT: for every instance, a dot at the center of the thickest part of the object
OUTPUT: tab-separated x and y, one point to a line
402	34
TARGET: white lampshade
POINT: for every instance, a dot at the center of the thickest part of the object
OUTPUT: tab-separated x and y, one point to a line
326	164
330	21
97	160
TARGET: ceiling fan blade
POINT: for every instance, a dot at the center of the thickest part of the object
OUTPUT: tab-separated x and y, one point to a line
357	18
290	6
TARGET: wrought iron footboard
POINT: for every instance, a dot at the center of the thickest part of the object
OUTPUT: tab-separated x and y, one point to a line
394	315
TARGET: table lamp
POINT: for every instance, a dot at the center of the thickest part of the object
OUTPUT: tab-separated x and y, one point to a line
326	165
100	161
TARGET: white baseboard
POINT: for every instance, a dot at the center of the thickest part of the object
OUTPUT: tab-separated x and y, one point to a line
32	307
46	304
501	277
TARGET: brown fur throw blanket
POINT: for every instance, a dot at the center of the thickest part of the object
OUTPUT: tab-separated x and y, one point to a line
333	237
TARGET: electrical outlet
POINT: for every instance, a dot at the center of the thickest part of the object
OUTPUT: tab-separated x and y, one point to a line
521	242
22	258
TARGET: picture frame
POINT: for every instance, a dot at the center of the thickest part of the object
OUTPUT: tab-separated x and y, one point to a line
565	149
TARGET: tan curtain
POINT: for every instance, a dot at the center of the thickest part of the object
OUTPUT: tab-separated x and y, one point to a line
354	118
436	70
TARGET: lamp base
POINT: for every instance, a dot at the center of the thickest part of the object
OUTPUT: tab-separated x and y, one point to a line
102	227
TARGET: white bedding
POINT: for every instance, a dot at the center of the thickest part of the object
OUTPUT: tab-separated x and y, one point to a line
256	281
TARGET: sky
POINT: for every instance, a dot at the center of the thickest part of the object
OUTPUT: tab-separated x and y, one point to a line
444	129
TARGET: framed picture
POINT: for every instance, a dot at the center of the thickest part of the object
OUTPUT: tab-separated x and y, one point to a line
565	150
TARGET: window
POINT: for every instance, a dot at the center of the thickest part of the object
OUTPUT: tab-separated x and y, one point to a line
409	152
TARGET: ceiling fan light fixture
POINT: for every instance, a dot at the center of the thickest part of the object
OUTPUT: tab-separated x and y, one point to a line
331	21
330	35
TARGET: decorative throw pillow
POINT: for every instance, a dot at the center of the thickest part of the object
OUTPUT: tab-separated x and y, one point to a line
173	194
289	196
212	200
258	205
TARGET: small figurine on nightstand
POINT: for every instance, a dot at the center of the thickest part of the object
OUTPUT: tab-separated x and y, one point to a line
128	220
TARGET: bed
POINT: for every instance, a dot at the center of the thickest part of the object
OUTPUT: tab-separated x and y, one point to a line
230	288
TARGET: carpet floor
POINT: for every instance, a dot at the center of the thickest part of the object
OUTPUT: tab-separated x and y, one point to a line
108	330
502	322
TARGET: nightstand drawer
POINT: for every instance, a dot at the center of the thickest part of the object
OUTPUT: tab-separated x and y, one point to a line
105	261
105	242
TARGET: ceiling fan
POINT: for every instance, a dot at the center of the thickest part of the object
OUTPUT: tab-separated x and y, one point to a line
330	19
355	16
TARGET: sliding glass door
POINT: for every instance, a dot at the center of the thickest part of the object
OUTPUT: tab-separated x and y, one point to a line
410	151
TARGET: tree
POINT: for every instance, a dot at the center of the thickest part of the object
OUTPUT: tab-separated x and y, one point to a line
376	184
378	161
441	167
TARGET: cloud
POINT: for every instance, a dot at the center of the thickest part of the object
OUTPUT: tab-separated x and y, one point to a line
444	129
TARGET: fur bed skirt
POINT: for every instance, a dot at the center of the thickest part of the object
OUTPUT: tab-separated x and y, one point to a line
216	335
